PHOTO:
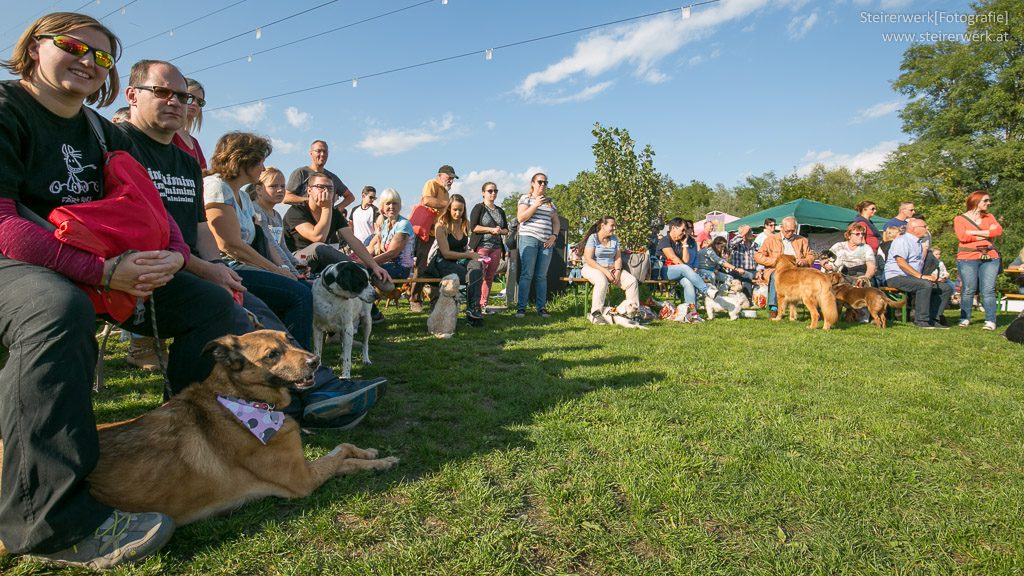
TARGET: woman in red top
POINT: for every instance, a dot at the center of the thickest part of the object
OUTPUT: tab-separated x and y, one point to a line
865	210
977	260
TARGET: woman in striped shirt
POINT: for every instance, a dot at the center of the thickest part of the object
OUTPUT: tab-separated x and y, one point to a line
538	229
603	266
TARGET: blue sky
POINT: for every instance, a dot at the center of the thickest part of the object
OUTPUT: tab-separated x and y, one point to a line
738	88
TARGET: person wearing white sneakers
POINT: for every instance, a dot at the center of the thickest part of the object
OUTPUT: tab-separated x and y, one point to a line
977	260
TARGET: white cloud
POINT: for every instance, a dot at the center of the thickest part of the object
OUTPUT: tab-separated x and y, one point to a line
285	147
639	46
799	26
387	142
877	111
509	183
296	118
581	96
868	160
250	115
490	125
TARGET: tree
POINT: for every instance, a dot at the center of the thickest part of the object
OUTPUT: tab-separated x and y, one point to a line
966	113
623	184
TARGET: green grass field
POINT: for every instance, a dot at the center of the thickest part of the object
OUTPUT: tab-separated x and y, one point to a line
557	447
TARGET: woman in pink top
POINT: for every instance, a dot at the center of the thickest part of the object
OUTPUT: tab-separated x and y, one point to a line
977	260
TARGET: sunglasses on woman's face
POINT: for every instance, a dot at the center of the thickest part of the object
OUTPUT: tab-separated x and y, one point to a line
77	48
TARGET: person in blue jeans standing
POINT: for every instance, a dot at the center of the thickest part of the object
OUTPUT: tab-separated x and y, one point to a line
538	230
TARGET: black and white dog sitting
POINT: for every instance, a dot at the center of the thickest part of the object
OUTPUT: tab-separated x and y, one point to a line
342	296
1015	331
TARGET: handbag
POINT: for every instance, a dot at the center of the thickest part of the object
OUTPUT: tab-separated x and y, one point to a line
130	216
422	220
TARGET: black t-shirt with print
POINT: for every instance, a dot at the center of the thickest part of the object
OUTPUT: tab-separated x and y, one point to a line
48	161
176	176
300	214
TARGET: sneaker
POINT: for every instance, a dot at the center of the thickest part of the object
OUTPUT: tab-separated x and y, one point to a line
142	353
473	314
341	398
377	317
415	306
543	313
924	325
597	318
964	323
520	313
712	292
939	326
121	539
989	325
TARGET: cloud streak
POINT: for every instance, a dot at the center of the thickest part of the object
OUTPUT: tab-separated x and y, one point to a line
876	111
296	118
388	142
640	46
510	183
867	160
250	115
799	26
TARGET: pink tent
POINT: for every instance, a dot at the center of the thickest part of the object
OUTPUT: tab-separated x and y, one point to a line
719	218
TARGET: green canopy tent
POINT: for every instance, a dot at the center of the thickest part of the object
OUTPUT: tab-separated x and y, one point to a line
822	224
808	213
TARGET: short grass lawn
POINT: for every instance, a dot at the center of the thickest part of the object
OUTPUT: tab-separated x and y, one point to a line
554	446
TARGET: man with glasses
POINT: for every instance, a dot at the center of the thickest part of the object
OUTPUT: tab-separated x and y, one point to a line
435	197
364	216
903	271
788	243
158	95
298	183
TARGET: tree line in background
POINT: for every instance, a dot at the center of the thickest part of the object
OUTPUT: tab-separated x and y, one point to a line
964	116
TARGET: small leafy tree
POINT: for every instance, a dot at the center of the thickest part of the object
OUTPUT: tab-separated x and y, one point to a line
624	184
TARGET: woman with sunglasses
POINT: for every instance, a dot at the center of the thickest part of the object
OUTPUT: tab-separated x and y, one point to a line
977	261
865	211
538	229
853	257
50	157
193	123
489	226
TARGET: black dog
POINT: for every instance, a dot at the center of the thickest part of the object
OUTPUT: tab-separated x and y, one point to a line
1015	331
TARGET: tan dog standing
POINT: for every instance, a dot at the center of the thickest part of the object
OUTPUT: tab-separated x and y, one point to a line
807	285
854	298
192	457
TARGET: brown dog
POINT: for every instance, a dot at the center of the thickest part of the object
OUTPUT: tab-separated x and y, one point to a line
812	287
192	458
853	298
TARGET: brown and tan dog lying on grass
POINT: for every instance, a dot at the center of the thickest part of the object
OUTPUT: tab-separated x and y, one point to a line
807	285
853	298
192	458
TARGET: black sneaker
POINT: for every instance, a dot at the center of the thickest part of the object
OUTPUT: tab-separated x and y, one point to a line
924	325
376	316
939	326
543	313
123	538
597	318
341	398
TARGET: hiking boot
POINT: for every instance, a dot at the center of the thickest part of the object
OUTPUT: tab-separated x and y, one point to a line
142	353
341	398
597	318
123	538
415	306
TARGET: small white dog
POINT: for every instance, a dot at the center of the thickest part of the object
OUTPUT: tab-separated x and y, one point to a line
622	315
732	303
445	315
342	296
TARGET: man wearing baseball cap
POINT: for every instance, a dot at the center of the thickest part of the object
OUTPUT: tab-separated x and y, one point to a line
435	197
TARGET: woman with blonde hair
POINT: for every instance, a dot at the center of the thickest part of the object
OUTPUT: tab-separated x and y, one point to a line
393	242
266	194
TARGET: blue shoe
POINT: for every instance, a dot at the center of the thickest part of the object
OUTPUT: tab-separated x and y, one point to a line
338	398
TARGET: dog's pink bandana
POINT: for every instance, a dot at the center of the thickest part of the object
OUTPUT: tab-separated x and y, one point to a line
258	417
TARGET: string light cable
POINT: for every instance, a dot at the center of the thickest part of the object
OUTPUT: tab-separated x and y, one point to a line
120	9
355	79
305	38
189	23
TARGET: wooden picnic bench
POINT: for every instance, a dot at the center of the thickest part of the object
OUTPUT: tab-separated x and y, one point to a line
579	301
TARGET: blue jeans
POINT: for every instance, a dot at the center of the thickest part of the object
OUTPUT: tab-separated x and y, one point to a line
534	259
396	270
290	300
689	281
977	277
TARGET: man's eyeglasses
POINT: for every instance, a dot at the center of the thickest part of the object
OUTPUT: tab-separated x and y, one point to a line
77	48
327	187
163	93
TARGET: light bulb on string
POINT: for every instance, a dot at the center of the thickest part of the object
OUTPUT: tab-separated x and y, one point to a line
489	53
355	82
250	58
686	12
259	33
